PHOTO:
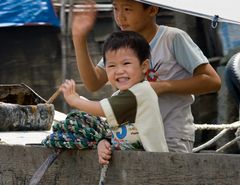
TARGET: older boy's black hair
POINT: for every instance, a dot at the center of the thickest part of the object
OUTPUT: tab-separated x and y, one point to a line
127	39
145	5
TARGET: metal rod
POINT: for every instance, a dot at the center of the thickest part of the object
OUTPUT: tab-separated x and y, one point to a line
63	17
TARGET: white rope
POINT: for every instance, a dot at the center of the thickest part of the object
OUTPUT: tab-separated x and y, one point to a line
210	142
225	127
227	145
231	126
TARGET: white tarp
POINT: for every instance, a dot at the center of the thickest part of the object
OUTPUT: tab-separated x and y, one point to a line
226	10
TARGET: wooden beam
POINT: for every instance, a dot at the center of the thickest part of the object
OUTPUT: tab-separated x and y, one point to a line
18	164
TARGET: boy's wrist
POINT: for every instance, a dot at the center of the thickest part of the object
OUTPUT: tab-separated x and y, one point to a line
106	139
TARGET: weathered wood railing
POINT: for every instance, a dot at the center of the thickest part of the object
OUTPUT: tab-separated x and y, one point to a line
75	167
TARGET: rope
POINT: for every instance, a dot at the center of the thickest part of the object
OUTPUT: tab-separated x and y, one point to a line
104	169
227	145
103	174
211	141
225	127
231	126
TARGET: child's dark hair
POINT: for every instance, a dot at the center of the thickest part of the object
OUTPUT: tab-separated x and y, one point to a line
127	39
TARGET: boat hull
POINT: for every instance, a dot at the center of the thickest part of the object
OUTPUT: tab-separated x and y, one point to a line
18	164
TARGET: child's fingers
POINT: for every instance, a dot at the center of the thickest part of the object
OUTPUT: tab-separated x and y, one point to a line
68	87
104	152
72	85
107	144
104	159
103	162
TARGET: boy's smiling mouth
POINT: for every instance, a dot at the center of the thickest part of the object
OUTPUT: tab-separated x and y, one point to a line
122	79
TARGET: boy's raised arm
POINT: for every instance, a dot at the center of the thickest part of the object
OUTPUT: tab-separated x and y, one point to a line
83	22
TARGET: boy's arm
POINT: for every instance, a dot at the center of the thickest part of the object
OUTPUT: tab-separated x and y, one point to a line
92	76
83	22
91	107
204	80
74	100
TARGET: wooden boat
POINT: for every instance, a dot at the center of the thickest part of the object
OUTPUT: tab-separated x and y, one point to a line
19	163
23	109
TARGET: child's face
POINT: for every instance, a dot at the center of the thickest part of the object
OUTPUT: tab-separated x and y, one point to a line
131	16
124	69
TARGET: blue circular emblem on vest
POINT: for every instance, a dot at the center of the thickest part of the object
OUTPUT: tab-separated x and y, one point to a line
122	134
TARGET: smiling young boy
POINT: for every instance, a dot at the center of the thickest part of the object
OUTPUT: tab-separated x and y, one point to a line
178	68
132	112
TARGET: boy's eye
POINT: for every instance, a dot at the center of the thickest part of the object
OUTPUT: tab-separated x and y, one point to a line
127	9
126	63
110	66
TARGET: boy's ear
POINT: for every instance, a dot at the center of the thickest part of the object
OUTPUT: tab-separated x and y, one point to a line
145	66
153	10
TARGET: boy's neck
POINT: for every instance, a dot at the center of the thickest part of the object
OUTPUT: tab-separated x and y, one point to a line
150	32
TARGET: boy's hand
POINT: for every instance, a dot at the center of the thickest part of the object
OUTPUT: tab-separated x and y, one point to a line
70	95
83	21
104	152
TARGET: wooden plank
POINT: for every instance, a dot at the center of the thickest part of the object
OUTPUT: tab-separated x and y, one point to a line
18	164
